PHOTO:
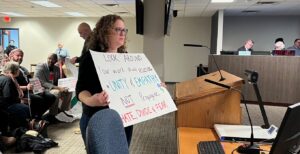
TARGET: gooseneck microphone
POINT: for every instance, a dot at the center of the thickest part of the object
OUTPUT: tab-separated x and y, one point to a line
198	45
245	148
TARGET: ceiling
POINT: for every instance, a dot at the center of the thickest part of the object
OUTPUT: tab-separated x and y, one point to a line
126	8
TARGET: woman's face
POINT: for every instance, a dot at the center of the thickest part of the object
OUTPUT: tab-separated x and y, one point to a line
117	35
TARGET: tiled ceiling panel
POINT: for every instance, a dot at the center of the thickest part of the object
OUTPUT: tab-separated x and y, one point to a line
126	8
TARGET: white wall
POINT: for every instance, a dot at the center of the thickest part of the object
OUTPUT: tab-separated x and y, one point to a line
263	30
181	62
39	37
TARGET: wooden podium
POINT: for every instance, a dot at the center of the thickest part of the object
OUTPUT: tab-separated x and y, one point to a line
202	104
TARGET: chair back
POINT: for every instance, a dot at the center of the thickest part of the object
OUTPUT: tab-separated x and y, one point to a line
106	134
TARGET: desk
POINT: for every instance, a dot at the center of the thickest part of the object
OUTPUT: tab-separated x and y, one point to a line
188	138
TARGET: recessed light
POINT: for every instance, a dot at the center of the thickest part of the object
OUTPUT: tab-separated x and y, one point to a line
122	12
45	3
266	3
13	14
111	5
75	14
222	1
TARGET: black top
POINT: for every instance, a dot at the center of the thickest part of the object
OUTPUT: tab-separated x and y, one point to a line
88	80
23	79
84	50
244	49
9	48
8	92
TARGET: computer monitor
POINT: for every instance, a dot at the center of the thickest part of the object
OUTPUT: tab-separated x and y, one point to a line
283	52
228	52
288	136
260	53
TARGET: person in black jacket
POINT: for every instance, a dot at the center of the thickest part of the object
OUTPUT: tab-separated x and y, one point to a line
84	31
11	94
247	46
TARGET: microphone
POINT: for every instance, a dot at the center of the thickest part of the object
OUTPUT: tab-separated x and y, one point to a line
198	45
245	148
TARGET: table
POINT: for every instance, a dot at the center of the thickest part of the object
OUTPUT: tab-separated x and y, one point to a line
188	138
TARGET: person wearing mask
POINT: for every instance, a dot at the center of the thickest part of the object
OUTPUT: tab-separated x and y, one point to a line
41	102
49	73
109	36
247	46
296	47
84	31
279	44
61	52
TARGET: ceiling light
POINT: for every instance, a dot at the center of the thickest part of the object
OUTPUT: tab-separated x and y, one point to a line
13	14
222	1
45	3
266	3
75	14
111	5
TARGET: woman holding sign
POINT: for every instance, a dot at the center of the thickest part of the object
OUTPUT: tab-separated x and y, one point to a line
109	35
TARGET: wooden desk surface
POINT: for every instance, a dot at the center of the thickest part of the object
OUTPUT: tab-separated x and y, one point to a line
188	138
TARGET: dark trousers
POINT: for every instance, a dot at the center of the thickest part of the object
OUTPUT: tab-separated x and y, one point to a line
18	115
40	103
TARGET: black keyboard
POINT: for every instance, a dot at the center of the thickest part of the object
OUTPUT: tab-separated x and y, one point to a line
210	147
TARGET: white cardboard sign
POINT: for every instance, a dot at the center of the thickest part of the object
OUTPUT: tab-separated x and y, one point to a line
69	83
133	86
37	86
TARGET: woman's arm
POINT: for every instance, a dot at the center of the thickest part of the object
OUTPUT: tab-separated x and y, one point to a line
98	99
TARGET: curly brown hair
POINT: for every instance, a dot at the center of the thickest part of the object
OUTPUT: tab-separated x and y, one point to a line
98	40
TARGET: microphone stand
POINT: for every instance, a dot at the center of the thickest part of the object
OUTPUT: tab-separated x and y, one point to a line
252	79
198	45
245	148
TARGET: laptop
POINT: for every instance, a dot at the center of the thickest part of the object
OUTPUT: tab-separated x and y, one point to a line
244	53
243	133
260	53
288	136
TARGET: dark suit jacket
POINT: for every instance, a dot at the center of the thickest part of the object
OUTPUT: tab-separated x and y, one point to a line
243	49
42	72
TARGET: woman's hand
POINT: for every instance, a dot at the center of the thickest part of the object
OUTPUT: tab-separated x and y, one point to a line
163	84
101	99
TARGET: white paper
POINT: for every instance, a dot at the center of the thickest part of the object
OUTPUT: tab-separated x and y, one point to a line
37	86
133	86
69	83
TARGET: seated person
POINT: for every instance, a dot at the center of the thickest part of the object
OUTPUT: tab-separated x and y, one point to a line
247	46
10	97
279	44
49	73
296	47
40	103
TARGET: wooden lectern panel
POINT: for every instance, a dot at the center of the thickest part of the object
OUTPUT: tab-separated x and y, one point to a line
202	104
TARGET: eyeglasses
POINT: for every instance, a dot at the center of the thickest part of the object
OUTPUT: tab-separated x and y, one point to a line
120	30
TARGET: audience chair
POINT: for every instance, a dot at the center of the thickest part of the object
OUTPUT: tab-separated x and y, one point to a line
105	134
